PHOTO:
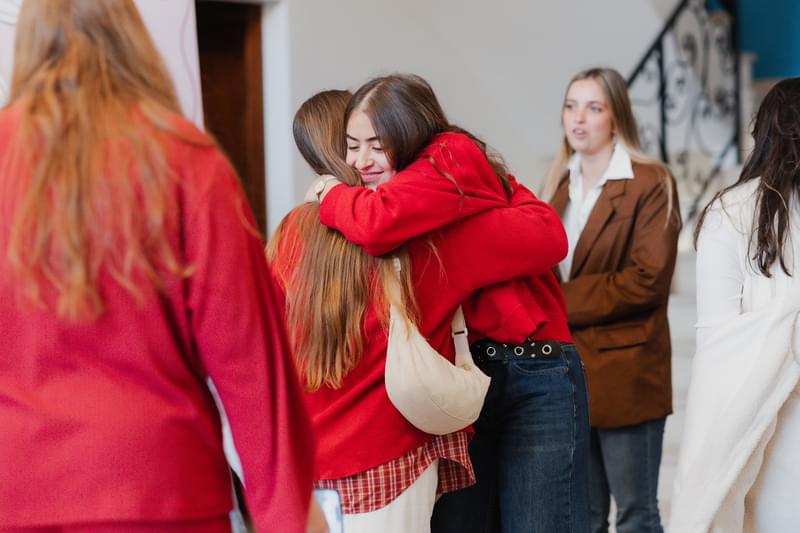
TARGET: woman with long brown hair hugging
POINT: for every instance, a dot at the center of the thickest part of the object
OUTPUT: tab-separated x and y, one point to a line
530	449
386	470
130	273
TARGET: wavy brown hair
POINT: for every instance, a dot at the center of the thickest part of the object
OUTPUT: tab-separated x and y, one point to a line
330	283
93	98
775	159
406	115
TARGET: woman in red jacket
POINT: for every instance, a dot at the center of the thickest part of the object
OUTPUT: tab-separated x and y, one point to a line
531	446
385	468
129	274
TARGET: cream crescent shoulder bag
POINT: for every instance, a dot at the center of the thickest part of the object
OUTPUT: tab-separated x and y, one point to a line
432	393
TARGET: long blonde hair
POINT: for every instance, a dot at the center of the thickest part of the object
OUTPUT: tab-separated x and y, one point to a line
330	283
93	98
627	133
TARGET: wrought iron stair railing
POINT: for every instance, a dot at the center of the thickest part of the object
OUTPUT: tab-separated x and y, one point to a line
685	94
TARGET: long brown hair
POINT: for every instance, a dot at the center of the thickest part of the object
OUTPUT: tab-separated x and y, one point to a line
93	96
331	282
407	116
616	92
775	159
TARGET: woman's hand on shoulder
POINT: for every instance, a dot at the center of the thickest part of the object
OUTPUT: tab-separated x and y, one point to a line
320	187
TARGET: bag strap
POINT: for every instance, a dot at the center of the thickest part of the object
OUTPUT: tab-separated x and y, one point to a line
458	327
393	284
461	338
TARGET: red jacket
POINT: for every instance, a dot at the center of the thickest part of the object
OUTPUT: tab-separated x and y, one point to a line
356	425
452	179
112	420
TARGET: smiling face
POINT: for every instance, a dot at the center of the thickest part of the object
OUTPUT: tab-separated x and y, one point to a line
587	119
365	151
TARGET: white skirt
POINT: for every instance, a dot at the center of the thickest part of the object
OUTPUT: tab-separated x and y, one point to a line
408	513
772	504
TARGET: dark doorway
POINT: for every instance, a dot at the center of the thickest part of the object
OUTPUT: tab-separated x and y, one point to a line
229	42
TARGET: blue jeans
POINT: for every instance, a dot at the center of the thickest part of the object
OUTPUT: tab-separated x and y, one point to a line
530	452
624	463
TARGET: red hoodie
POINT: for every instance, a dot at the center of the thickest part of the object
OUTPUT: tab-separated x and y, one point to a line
450	180
357	427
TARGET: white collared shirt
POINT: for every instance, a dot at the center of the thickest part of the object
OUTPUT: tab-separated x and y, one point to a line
579	206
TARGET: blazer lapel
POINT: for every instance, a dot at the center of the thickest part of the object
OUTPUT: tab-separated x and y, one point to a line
601	213
561	196
559	203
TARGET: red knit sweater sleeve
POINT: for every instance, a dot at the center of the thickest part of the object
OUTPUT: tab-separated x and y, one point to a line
450	180
524	239
241	341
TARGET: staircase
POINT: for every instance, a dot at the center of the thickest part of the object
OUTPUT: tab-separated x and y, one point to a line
686	95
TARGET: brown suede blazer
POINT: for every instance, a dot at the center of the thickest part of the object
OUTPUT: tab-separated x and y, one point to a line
617	296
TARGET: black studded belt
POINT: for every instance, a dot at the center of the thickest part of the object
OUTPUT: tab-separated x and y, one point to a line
485	351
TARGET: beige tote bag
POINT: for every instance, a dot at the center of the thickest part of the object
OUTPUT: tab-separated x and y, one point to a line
432	393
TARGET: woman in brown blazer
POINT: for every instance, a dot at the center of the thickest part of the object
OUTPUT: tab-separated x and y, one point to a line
620	211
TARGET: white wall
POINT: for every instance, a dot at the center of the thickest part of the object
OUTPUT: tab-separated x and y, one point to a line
8	17
499	67
173	27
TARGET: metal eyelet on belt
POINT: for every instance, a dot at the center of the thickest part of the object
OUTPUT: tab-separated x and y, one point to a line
547	349
491	351
519	350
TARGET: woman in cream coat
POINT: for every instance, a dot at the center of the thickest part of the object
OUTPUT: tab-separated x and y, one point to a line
739	466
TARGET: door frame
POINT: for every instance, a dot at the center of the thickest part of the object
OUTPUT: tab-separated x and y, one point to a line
279	150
